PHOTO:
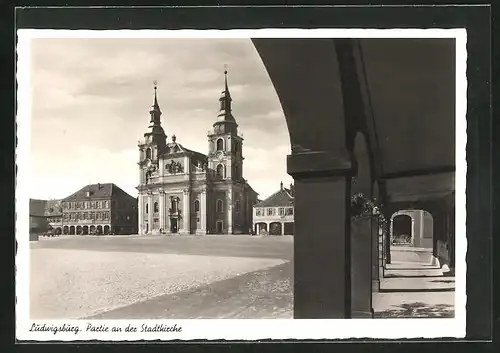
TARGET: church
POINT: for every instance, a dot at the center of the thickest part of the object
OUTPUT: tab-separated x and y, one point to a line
182	191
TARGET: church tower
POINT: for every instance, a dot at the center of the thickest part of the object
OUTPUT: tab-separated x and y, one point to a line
225	163
154	142
225	145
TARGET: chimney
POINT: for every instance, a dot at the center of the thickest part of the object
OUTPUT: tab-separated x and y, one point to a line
281	185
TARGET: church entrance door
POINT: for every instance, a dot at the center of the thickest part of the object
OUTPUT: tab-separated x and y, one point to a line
173	225
219	227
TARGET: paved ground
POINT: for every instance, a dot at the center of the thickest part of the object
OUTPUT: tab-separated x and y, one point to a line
187	277
412	290
220	245
263	294
76	277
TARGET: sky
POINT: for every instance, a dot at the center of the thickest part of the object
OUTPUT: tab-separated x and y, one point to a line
90	99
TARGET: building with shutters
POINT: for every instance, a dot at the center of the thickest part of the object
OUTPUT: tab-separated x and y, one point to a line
99	209
182	191
275	215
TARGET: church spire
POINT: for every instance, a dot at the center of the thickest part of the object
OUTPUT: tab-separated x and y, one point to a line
226	88
225	98
155	108
156	134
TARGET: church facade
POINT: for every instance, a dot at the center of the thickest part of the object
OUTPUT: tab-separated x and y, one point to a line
182	191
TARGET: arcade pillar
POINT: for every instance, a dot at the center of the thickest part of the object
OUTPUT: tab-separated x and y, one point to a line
321	239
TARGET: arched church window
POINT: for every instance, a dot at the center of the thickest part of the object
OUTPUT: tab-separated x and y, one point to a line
237	206
156	208
220	206
220	145
196	206
147	208
220	171
148	153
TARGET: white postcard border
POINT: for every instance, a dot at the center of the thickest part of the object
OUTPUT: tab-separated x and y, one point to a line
224	329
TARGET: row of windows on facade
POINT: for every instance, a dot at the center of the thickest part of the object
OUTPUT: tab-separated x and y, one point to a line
86	204
86	215
93	215
157	220
271	211
175	203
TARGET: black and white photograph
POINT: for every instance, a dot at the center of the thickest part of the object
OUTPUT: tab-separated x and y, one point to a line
273	183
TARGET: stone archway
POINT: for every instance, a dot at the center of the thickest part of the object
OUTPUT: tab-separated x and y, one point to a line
402	230
416	219
79	230
66	230
106	230
419	223
275	228
344	77
261	228
72	230
99	230
85	230
92	230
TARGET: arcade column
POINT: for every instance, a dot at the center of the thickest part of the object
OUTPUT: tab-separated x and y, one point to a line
150	212
186	214
140	218
322	286
230	211
321	167
162	210
203	211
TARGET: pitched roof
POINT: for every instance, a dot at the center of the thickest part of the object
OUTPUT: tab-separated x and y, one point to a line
37	207
53	208
282	197
97	191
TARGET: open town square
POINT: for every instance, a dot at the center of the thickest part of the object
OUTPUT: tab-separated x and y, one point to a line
193	277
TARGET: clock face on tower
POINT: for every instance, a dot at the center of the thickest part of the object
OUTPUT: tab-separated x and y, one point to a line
219	156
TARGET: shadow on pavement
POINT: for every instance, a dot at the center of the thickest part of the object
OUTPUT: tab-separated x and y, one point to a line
418	310
262	294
